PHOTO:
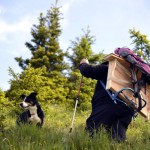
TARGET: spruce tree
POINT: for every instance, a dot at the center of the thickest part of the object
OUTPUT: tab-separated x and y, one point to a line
79	49
44	45
142	44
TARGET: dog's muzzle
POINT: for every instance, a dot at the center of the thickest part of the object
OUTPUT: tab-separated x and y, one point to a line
24	105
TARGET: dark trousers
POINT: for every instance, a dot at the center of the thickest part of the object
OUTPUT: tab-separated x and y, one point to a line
113	117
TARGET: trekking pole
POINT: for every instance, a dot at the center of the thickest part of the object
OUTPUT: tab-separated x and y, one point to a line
77	99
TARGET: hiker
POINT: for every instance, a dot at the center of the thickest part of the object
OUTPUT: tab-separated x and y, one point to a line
115	118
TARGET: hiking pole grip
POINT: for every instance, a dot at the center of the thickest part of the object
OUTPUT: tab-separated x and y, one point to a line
77	99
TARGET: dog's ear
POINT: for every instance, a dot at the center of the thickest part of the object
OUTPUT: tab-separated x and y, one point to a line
22	96
33	94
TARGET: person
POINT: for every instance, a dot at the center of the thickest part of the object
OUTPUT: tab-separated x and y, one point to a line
115	118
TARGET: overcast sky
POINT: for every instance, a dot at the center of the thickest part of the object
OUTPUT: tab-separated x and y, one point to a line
108	20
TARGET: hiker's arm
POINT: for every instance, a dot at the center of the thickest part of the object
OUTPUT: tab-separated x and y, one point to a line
92	71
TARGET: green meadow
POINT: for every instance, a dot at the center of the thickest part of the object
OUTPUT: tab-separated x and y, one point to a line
55	134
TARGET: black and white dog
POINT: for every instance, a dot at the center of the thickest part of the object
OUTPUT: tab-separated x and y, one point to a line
33	113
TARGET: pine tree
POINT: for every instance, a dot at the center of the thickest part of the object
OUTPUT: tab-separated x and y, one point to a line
142	44
44	45
79	49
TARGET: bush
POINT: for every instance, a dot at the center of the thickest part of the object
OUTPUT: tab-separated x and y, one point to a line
5	109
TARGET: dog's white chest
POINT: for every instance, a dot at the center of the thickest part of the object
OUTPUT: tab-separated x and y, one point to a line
34	117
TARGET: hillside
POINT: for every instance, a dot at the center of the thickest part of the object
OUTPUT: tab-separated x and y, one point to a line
55	134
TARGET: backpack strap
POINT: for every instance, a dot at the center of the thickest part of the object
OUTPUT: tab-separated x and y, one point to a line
116	100
112	95
137	85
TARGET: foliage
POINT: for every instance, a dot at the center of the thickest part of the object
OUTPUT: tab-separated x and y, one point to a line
5	108
50	90
86	90
142	44
54	90
44	45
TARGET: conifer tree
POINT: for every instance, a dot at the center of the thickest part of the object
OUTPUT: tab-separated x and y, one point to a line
142	44
81	48
44	45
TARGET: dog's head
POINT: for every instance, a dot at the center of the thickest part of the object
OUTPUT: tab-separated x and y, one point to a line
28	101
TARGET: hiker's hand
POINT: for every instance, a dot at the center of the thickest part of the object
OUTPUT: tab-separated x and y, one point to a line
84	60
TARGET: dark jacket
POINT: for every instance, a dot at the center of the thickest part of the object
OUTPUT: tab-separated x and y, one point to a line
98	72
104	110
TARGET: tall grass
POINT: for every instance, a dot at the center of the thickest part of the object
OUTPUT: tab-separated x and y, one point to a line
55	134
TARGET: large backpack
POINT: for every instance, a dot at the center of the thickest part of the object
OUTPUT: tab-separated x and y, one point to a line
136	62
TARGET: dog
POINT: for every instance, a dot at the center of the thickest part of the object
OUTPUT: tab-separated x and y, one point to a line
33	113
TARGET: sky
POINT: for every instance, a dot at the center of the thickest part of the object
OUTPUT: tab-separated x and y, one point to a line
108	20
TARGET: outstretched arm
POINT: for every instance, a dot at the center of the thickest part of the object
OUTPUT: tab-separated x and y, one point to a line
92	71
